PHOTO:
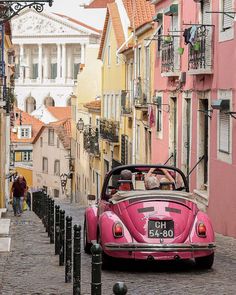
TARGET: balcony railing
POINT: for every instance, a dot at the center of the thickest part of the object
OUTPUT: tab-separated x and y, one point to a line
109	130
200	53
169	57
91	143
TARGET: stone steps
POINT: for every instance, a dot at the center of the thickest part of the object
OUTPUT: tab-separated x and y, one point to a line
5	240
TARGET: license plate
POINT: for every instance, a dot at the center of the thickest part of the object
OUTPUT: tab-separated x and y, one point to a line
160	228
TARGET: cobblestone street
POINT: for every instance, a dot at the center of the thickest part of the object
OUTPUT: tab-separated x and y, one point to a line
32	268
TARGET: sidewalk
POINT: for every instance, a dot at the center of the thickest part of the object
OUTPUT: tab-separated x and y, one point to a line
31	267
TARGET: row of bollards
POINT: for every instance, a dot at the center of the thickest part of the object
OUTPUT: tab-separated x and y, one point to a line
59	230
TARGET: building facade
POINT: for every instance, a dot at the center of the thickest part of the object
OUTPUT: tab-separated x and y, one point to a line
52	161
195	100
50	50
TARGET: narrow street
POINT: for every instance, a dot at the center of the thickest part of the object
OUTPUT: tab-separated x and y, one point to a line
32	268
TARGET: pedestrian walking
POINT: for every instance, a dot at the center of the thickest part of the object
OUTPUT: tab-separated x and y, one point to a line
28	198
18	191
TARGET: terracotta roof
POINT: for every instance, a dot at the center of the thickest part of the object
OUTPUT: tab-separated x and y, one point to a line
26	119
98	4
60	113
78	22
113	13
63	131
139	12
93	105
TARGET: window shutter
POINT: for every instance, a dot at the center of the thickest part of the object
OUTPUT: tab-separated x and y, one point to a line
227	20
224	132
175	27
206	17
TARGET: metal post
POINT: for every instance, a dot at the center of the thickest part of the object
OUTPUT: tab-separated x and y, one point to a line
49	216
52	223
77	261
68	266
57	230
62	238
46	212
96	285
120	288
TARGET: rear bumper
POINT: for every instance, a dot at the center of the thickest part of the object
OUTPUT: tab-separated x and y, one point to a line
142	247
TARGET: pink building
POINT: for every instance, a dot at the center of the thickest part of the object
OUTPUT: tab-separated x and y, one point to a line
195	100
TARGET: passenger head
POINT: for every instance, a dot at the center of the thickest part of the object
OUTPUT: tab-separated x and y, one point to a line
165	184
126	175
151	182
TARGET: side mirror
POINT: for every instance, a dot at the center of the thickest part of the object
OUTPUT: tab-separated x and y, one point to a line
91	197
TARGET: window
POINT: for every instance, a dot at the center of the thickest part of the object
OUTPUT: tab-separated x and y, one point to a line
41	142
35	71
76	70
159	115
50	136
147	72
26	156
58	143
30	104
25	132
138	61
49	102
109	54
224	130
227	19
45	165
53	71
57	168
138	140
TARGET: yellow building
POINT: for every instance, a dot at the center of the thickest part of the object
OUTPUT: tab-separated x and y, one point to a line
88	89
126	84
6	102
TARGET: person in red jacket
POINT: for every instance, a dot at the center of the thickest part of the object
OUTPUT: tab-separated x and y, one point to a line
18	190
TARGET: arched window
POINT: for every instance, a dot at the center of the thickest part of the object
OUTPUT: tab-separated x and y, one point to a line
30	104
49	102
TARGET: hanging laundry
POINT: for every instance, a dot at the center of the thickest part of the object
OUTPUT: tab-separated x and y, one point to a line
151	119
187	35
193	34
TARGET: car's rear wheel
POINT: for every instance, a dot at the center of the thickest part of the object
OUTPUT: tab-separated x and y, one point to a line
87	246
205	262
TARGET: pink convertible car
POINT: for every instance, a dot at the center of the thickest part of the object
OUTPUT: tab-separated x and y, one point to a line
146	212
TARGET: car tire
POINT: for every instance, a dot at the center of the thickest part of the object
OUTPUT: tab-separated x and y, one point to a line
87	246
205	262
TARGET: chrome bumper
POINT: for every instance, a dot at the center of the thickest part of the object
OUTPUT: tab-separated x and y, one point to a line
141	247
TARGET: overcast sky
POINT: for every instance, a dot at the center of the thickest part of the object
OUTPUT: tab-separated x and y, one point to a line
93	17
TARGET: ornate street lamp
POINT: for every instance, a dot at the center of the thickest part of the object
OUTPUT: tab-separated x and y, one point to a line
80	125
10	8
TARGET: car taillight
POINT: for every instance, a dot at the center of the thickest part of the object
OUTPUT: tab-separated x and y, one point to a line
201	230
118	230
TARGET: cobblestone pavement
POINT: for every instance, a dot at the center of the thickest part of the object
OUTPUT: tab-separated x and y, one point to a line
32	267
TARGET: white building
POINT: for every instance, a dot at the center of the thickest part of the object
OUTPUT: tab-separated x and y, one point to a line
50	50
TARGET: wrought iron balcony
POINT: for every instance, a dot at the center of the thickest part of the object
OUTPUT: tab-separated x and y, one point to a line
91	143
169	58
109	130
7	98
141	93
200	53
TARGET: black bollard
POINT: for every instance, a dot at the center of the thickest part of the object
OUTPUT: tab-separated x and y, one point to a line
49	216
52	223
120	288
62	238
96	285
68	266
46	212
57	230
77	261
